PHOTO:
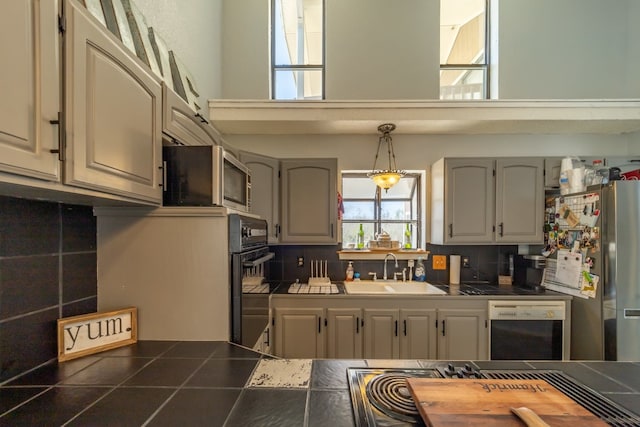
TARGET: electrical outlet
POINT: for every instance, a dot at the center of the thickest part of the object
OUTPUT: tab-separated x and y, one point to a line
439	262
465	262
300	261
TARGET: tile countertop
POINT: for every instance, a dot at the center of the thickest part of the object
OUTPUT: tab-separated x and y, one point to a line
165	383
464	290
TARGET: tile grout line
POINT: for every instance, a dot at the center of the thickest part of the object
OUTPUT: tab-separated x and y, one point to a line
113	388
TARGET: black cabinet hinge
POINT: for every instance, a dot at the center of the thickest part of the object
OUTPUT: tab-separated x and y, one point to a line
62	24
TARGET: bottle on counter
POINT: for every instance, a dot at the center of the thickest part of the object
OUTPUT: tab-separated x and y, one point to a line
419	275
360	242
407	237
349	274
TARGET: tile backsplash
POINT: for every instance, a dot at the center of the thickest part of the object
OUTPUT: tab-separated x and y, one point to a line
47	271
485	263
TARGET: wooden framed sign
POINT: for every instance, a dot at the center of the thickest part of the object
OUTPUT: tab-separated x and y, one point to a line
92	333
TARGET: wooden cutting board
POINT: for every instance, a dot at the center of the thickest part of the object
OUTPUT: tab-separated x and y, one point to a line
482	402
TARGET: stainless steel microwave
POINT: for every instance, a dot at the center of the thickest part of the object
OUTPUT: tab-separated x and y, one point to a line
205	175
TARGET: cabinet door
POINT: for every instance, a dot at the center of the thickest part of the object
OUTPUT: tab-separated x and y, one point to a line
462	334
381	334
265	190
520	200
30	88
552	167
469	200
344	333
113	107
299	333
181	122
309	201
418	334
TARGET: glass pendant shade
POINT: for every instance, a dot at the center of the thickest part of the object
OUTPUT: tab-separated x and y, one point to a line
386	178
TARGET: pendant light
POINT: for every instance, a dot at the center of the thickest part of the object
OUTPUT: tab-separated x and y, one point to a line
386	178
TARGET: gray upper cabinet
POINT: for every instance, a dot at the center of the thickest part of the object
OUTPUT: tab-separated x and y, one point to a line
462	201
519	200
265	190
29	86
309	201
113	106
486	200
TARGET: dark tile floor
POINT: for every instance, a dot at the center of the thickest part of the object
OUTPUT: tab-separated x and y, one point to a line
153	383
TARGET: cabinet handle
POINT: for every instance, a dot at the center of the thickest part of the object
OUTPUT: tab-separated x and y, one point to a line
202	119
501	227
404	327
451	230
396	332
331	230
266	333
277	229
443	328
164	176
319	325
61	141
357	325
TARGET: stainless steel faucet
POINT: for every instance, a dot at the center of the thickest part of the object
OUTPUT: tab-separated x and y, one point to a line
386	257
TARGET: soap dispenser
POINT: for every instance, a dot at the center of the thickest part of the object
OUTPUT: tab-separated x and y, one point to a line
349	275
420	275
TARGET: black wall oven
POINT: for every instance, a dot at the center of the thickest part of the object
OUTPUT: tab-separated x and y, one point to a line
526	330
248	257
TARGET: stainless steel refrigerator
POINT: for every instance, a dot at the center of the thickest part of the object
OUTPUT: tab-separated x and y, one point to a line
606	220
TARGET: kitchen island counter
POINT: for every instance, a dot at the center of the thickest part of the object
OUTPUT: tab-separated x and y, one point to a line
212	383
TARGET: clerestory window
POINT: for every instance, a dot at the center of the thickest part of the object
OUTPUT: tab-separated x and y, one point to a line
464	53
297	49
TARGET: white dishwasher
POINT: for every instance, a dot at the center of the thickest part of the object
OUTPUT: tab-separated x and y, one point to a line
526	330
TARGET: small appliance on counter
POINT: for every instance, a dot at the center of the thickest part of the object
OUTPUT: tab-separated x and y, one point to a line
528	271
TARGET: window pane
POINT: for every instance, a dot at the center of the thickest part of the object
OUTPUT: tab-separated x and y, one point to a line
396	210
462	31
462	84
298	34
359	188
396	231
350	233
297	84
358	210
404	189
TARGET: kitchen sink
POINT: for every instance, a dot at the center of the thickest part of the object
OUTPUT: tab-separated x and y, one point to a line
386	287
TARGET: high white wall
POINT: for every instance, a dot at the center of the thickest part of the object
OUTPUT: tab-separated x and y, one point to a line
191	28
568	49
381	49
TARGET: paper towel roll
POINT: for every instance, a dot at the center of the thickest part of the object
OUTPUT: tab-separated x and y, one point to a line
454	269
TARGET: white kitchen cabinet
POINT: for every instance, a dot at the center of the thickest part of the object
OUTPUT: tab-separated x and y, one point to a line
113	106
486	200
344	333
30	82
265	190
381	340
309	205
182	123
418	333
299	332
462	334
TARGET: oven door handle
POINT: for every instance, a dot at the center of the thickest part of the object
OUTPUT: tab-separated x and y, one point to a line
257	262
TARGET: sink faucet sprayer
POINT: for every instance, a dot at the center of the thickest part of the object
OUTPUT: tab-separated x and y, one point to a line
384	272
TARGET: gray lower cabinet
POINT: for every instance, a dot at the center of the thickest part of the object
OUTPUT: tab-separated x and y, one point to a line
462	334
344	333
378	328
299	333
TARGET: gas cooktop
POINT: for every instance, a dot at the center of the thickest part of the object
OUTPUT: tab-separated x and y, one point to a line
481	289
381	397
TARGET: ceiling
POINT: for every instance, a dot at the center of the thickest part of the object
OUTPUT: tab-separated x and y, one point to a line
254	117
